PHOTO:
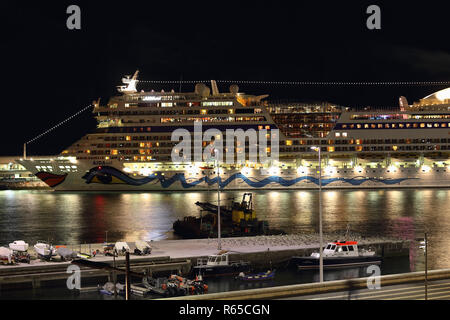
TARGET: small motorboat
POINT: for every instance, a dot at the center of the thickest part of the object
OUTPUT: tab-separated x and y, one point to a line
142	248
121	247
268	275
6	256
339	254
19	245
44	250
218	265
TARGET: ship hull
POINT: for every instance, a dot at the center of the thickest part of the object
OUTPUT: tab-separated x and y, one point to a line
89	177
226	270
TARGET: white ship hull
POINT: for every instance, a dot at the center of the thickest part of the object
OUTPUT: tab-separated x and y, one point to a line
111	177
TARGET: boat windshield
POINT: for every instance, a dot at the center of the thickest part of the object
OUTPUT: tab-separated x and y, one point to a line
213	259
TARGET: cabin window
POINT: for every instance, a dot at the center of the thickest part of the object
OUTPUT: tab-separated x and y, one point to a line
350	248
328	247
333	247
344	248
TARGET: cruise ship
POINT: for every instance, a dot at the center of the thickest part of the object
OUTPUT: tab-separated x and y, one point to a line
404	146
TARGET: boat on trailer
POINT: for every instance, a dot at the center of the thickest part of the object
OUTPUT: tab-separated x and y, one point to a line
19	245
44	250
339	254
6	256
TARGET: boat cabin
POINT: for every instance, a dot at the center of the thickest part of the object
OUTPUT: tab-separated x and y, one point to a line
214	260
345	248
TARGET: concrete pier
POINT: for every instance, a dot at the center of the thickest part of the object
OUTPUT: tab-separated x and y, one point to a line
55	273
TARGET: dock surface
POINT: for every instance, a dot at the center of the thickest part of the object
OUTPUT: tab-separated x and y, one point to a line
180	255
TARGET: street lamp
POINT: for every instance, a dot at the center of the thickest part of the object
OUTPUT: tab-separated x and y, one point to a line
219	245
320	215
424	246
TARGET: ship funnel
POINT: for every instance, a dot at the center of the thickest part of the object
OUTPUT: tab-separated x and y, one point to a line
403	102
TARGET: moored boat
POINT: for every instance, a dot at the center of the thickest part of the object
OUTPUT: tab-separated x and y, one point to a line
65	253
268	275
19	245
130	149
108	289
339	254
174	285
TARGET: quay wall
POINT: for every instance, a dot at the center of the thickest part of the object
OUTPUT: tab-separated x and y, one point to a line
281	292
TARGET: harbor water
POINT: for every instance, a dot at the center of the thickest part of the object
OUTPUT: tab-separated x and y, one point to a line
81	217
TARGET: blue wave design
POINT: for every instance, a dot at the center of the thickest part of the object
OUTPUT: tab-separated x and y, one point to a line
105	174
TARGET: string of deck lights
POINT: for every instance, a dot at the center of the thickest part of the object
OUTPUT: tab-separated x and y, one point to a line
59	124
308	83
421	83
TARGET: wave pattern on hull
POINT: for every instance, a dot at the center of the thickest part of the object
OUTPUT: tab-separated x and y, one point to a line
110	175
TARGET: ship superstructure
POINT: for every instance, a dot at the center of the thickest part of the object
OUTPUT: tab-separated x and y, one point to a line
131	147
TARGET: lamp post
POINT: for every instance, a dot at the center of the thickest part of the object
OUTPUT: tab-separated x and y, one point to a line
424	246
426	267
219	244
320	215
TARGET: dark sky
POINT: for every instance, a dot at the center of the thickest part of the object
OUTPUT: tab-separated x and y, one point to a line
50	72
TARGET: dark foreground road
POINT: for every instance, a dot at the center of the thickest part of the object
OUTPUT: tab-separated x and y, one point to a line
437	290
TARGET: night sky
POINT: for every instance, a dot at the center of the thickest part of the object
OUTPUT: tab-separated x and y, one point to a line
50	72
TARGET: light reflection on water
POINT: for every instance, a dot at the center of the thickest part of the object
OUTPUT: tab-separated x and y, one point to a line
85	217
